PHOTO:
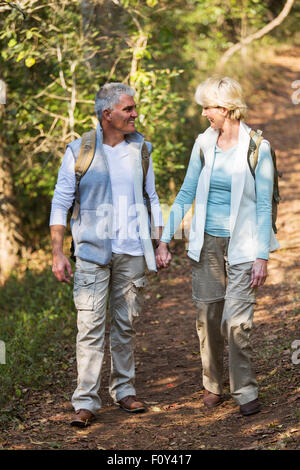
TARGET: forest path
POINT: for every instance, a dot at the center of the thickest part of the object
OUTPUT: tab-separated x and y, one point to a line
168	366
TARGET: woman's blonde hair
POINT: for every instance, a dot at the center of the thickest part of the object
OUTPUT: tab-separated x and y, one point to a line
222	91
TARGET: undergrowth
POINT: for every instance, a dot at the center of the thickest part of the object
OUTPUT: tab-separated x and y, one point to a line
37	326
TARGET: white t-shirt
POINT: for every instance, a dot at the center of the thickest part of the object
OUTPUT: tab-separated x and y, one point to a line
126	239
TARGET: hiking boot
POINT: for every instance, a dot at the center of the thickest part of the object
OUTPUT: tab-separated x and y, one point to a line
211	400
82	418
131	404
250	408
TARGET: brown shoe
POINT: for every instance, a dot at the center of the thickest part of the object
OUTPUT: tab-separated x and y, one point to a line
211	400
250	408
131	404
82	418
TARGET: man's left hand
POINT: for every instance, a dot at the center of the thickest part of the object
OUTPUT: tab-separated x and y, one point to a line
163	256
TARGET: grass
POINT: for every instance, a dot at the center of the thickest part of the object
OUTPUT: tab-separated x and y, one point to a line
37	325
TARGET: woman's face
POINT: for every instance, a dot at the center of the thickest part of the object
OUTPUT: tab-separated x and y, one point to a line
216	116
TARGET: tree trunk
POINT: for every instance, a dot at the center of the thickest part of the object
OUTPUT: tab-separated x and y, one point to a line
87	12
10	239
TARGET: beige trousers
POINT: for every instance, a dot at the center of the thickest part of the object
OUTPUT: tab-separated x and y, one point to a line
225	303
121	282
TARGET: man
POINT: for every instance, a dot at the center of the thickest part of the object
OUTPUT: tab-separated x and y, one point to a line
112	248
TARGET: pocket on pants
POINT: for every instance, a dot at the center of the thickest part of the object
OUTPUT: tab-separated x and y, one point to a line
239	283
84	290
136	297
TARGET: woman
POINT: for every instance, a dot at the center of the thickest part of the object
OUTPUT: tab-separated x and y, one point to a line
230	238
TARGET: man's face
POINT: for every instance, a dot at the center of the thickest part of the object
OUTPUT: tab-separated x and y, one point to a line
122	117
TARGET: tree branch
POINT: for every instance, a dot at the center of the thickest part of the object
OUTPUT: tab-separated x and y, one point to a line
140	45
13	5
72	103
259	34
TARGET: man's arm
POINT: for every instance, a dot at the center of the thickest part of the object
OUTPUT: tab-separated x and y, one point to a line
157	233
157	215
62	200
61	266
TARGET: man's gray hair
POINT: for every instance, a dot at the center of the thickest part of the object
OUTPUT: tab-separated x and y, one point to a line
109	95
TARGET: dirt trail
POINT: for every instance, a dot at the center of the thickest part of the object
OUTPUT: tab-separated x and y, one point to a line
167	350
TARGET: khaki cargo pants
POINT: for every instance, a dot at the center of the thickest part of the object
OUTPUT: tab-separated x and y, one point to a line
225	311
122	282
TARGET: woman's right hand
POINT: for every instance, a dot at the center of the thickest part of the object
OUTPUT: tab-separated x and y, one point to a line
163	256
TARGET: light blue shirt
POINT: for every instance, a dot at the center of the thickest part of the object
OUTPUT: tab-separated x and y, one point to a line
218	203
263	188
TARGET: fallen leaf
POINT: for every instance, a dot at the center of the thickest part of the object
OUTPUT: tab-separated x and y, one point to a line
156	409
174	405
271	337
292	399
39	443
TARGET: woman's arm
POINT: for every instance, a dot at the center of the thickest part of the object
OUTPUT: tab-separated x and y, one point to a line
186	195
181	205
264	175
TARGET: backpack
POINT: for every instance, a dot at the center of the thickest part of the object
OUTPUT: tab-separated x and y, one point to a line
84	160
252	157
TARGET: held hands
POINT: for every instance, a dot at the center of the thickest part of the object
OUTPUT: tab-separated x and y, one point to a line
163	256
61	268
259	272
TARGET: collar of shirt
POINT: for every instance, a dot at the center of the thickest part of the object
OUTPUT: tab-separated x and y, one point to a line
121	149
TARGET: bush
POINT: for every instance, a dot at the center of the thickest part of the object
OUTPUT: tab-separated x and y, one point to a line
38	325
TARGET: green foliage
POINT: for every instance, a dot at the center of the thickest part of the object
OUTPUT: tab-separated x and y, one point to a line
36	326
159	116
55	59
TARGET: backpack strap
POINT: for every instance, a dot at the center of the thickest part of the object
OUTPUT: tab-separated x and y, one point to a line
255	141
84	160
202	159
85	157
145	165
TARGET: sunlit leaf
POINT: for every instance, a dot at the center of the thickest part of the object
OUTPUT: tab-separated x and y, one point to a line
29	62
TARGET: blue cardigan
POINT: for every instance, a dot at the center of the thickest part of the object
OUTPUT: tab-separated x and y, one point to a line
263	188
